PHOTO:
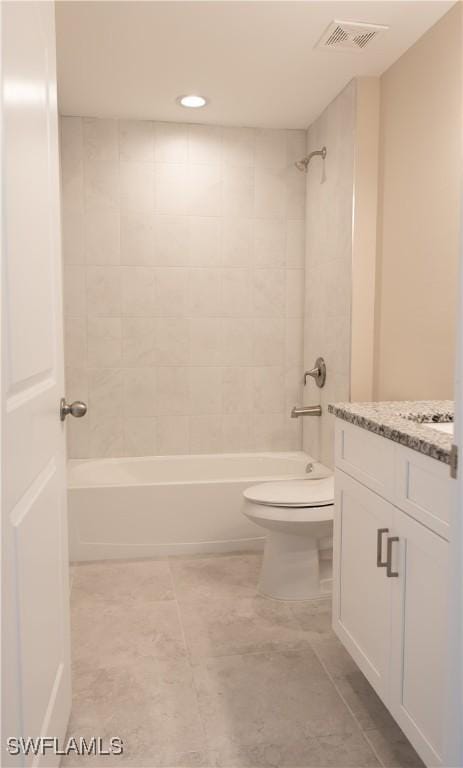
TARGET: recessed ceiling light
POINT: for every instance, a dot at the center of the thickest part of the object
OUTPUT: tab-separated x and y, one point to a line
192	101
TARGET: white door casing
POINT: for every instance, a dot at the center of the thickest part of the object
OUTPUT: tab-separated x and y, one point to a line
35	623
453	743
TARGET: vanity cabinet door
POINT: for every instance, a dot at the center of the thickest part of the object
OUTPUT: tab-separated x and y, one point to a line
362	591
419	645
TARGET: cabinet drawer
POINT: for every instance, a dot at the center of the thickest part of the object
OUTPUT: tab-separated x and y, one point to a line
423	489
366	457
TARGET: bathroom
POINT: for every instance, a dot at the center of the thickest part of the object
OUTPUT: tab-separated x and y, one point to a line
232	542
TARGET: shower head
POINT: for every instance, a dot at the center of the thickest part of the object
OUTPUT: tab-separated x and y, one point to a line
303	164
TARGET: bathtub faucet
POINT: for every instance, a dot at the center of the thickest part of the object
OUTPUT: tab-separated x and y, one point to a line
306	410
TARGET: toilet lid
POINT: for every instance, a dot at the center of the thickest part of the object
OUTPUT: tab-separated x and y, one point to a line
293	493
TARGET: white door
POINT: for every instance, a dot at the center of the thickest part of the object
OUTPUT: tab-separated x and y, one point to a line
35	626
362	591
419	635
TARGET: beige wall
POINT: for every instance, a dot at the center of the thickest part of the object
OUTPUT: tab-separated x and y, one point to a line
364	236
420	153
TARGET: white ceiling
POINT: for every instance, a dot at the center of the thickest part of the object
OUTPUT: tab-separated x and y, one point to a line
255	61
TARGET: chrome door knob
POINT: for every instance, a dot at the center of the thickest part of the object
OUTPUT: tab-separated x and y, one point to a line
76	409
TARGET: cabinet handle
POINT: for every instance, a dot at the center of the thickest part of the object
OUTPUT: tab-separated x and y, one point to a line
390	573
379	548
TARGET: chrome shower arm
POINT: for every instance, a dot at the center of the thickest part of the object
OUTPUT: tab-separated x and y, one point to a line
303	164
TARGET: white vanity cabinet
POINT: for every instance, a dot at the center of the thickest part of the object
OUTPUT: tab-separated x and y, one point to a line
418	636
363	596
390	577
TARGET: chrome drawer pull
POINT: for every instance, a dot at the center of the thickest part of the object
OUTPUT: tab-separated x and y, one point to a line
390	573
379	548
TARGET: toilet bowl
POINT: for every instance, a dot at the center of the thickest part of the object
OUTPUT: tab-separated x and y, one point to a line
296	514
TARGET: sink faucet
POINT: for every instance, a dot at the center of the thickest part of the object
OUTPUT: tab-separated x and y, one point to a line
306	410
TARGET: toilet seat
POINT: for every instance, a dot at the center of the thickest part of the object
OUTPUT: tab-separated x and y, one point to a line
296	515
304	494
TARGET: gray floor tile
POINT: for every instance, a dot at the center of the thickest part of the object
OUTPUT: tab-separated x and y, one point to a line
333	655
391	745
393	748
364	702
208	578
152	708
366	705
114	580
338	751
268	698
256	690
132	631
314	616
245	625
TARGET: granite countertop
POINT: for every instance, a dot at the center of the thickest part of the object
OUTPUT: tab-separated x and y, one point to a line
405	422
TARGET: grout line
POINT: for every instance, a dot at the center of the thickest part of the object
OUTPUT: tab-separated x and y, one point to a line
373	749
349	708
207	747
201	659
178	607
189	660
278	651
238	654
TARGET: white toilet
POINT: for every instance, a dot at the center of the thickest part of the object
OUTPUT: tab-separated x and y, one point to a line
296	514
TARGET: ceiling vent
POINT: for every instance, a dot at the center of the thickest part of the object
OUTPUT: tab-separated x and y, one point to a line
349	35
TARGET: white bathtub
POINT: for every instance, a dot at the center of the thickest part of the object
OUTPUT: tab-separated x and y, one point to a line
168	505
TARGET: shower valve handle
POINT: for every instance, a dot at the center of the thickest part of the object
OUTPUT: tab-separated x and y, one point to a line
318	373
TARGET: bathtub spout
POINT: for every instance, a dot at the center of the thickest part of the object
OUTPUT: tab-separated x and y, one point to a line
306	410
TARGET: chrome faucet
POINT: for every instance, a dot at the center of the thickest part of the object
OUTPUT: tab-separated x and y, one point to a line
306	410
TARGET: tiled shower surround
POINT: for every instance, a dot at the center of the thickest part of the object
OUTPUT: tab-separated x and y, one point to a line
184	281
328	266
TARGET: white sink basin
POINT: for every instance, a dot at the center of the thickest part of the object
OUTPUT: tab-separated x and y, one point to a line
446	426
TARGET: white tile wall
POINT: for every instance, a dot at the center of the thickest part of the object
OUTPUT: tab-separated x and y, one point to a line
184	279
327	313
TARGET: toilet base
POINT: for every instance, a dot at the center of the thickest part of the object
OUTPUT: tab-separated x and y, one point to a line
291	568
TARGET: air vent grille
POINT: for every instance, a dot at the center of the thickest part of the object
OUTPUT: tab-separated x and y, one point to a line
349	36
338	35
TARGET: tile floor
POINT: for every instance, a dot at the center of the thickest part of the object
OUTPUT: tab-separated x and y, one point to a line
190	667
